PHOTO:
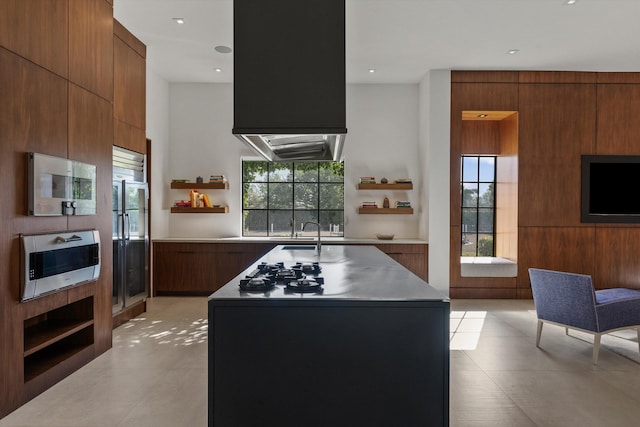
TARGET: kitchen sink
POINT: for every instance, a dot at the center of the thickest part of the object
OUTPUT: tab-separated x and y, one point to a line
298	248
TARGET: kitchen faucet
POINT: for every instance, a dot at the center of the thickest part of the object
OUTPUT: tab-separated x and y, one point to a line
319	245
292	225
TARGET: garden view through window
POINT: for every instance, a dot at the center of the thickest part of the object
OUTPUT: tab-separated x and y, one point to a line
478	205
279	197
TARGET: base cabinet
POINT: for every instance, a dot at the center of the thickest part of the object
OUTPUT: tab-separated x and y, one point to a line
200	268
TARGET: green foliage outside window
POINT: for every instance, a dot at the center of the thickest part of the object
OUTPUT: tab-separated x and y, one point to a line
277	194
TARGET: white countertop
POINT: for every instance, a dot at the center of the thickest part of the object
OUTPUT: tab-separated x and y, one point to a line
353	273
301	240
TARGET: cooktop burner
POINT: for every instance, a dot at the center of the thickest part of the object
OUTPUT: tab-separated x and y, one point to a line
301	277
306	285
263	283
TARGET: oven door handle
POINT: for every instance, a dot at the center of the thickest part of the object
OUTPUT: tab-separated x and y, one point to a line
73	238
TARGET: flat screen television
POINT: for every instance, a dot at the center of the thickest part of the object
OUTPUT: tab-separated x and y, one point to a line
611	189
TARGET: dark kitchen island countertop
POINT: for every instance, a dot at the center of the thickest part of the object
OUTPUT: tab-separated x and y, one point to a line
350	273
371	350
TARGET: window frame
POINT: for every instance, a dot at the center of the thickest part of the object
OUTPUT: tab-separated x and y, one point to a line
315	213
478	208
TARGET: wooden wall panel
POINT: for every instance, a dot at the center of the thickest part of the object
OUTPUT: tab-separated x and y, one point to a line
90	141
129	137
91	46
33	117
618	119
616	252
557	125
484	76
555	248
129	39
480	137
507	190
618	78
129	85
556	77
38	31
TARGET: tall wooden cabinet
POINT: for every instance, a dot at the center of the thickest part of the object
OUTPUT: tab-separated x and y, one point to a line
57	74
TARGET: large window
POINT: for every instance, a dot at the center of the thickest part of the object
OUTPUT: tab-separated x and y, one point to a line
279	197
478	205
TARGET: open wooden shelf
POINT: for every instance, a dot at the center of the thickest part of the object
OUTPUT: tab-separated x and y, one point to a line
221	209
200	185
386	211
58	354
44	334
402	186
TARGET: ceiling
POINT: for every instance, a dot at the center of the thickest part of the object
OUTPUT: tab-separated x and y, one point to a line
403	39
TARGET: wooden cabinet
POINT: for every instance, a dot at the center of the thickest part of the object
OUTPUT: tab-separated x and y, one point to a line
189	268
200	186
200	268
129	90
91	46
414	257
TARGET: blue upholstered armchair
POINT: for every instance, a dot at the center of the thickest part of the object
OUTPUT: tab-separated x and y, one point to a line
569	300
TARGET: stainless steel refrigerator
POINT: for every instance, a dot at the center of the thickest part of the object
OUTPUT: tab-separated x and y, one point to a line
130	229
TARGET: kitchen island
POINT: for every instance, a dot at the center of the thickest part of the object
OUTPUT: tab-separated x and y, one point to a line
368	344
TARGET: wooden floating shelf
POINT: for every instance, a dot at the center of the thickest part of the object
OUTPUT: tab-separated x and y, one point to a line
386	211
402	186
200	185
221	209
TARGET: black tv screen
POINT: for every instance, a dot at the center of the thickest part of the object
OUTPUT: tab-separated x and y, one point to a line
610	187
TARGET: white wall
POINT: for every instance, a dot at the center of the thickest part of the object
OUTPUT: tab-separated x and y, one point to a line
201	119
382	140
158	131
435	122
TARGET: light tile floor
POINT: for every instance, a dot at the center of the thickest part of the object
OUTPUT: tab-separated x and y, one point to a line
156	374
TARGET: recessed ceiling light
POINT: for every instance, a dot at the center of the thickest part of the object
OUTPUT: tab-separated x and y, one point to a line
513	51
372	70
218	70
223	49
482	116
178	20
570	2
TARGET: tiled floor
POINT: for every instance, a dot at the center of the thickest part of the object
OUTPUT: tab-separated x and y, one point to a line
155	375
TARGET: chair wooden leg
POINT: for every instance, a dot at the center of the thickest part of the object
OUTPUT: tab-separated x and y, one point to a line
540	333
596	347
638	331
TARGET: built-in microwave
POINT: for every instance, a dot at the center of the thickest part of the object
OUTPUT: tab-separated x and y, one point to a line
59	186
54	261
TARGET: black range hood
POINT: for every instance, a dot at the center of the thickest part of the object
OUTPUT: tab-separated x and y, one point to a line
289	78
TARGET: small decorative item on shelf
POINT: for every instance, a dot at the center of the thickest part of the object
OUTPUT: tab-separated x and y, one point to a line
217	179
181	181
384	181
199	180
385	236
182	204
403	181
369	204
199	200
385	202
367	180
403	204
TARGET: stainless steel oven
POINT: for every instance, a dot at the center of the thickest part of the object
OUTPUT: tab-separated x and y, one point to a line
53	261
